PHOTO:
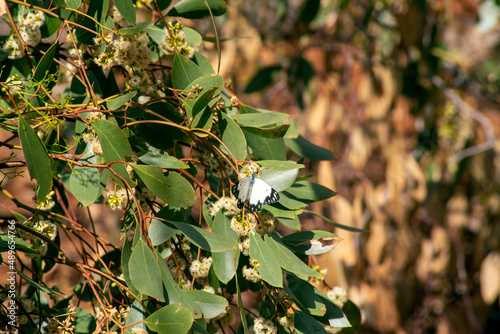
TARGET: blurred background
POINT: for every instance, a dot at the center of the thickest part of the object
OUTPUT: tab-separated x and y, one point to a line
405	93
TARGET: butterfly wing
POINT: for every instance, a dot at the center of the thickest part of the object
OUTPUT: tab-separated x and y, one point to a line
241	190
261	194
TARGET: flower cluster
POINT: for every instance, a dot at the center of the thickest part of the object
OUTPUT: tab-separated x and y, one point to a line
222	320
130	52
287	320
321	271
44	227
242	225
229	204
46	204
118	199
175	41
252	274
29	31
201	268
250	168
264	326
90	136
338	296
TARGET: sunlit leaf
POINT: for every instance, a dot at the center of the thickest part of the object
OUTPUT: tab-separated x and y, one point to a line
269	268
170	319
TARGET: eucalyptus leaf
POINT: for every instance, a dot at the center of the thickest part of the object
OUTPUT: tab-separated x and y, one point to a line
306	149
170	319
37	159
126	8
269	268
144	271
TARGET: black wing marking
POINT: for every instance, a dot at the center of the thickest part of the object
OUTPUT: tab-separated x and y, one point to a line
236	193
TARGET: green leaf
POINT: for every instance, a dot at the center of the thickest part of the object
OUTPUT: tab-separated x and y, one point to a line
265	147
307	297
115	147
291	203
291	223
120	100
73	4
159	232
45	63
20	244
288	260
280	180
126	8
305	324
162	4
261	118
353	315
97	11
278	165
269	267
145	272
170	319
211	305
184	72
197	9
162	160
192	36
84	322
224	263
232	137
207	83
312	242
84	182
137	314
156	33
262	79
125	259
309	192
309	11
174	292
333	316
203	63
134	30
37	285
177	192
37	159
206	240
306	149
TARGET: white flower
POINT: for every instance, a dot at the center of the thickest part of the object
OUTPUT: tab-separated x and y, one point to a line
251	274
209	289
338	296
143	99
134	81
97	148
117	16
118	200
264	326
244	227
249	169
28	304
94	115
46	204
201	268
287	320
14	47
244	246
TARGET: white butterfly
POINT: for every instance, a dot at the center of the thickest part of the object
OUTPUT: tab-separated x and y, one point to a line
256	191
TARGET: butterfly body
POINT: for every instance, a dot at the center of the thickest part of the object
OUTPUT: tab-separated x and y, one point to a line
256	192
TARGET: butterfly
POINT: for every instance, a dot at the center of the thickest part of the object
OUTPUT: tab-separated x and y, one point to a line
255	191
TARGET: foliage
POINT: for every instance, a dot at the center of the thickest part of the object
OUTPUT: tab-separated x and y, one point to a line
142	124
